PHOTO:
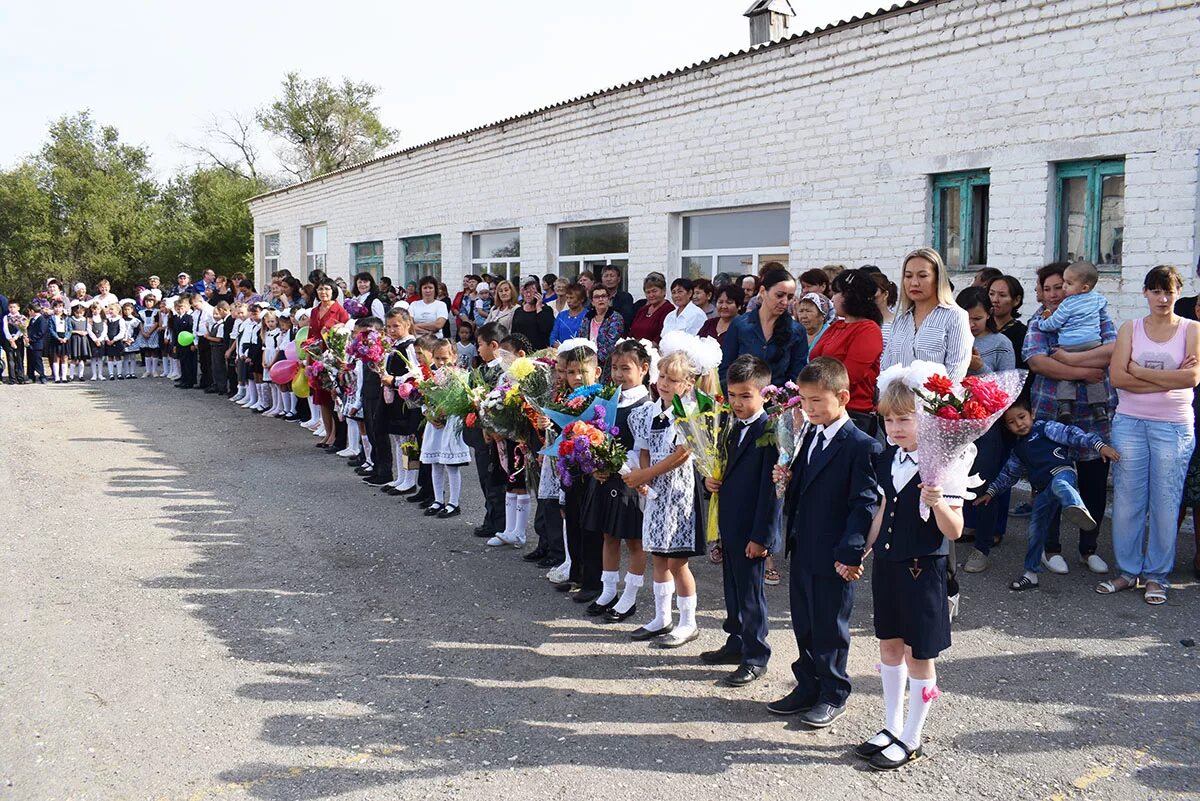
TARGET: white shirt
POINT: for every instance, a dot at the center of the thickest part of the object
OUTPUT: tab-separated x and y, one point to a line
956	485
105	300
747	423
904	467
691	319
830	431
426	313
632	396
377	308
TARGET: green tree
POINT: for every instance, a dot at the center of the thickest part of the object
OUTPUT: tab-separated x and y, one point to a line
105	217
326	127
206	213
25	233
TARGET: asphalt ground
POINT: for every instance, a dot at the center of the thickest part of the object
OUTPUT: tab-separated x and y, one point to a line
198	604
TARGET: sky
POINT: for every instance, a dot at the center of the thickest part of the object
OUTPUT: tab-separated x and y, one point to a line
161	71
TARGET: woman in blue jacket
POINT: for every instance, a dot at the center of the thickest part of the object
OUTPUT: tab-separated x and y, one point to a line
769	332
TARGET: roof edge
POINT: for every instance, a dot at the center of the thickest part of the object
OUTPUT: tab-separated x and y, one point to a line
843	25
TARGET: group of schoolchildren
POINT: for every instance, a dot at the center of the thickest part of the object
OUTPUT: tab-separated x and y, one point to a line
845	498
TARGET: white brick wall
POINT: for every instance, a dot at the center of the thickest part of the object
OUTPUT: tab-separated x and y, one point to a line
845	127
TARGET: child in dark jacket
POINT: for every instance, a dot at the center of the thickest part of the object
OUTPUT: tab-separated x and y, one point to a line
746	522
1041	451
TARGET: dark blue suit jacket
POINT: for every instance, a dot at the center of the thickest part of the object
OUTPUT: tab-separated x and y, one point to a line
38	332
747	507
831	501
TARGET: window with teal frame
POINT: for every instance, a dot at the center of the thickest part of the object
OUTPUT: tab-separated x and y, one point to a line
960	218
1089	211
421	256
368	258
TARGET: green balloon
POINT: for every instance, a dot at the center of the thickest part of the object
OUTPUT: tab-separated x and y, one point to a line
186	338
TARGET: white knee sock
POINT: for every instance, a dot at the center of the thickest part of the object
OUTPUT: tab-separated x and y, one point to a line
251	394
129	362
109	364
92	364
510	514
566	547
412	478
608	579
397	470
663	590
353	438
921	695
894	678
687	612
56	370
364	444
454	472
633	583
522	502
439	479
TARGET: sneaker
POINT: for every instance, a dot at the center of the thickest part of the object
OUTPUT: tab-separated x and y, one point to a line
953	602
557	575
1078	516
977	562
1021	510
1095	563
346	453
1055	564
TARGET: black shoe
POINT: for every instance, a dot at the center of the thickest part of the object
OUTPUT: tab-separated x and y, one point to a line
180	386
376	481
209	391
596	609
483	531
290	417
567	586
551	561
585	596
449	511
722	656
880	762
613	616
867	749
794	703
322	445
425	504
363	470
536	555
388	489
419	498
433	508
356	461
122	378
822	715
642	633
745	674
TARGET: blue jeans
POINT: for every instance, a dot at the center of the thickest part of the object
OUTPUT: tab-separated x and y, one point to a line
1063	491
1148	482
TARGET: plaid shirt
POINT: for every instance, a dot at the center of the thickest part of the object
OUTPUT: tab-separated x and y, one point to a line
1043	389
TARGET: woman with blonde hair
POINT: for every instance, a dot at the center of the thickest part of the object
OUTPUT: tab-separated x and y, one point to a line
929	325
505	296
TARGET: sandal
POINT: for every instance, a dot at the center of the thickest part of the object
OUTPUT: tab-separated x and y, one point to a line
1118	584
771	577
1023	583
1156	594
716	554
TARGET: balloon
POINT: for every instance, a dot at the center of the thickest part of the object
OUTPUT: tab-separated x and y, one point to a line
283	372
301	338
300	385
289	351
186	338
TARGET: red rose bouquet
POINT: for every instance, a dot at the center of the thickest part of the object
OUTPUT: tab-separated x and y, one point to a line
950	416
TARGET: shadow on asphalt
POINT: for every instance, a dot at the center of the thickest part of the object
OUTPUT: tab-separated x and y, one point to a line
420	653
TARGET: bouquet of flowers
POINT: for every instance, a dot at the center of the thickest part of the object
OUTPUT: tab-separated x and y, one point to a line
449	394
591	447
325	358
781	407
410	451
355	309
952	416
705	429
20	321
505	410
368	347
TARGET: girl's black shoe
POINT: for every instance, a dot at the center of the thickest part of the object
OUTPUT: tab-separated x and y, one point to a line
449	511
433	508
613	616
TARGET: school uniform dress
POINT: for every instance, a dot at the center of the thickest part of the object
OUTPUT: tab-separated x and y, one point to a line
673	521
131	330
79	346
610	507
97	331
829	506
60	336
445	445
746	513
402	419
148	341
114	334
908	578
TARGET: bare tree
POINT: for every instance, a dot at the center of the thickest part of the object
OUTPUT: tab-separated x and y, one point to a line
229	144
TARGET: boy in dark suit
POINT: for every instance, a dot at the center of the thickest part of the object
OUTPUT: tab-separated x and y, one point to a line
746	521
830	502
488	340
36	336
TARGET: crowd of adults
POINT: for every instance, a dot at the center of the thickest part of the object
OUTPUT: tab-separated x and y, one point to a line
863	319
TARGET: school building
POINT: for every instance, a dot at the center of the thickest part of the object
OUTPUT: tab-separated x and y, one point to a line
1006	134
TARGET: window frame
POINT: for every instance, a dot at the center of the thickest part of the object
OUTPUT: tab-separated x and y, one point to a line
966	181
271	263
1095	171
372	264
508	266
757	254
435	270
591	260
311	255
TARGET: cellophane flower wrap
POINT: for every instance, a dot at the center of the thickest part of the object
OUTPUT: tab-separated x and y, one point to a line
705	428
780	405
449	395
506	411
590	446
354	308
951	416
326	357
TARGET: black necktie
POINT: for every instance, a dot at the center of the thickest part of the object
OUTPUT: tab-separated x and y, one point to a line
820	446
736	433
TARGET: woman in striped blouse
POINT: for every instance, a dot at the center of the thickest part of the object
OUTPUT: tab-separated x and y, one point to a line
929	325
